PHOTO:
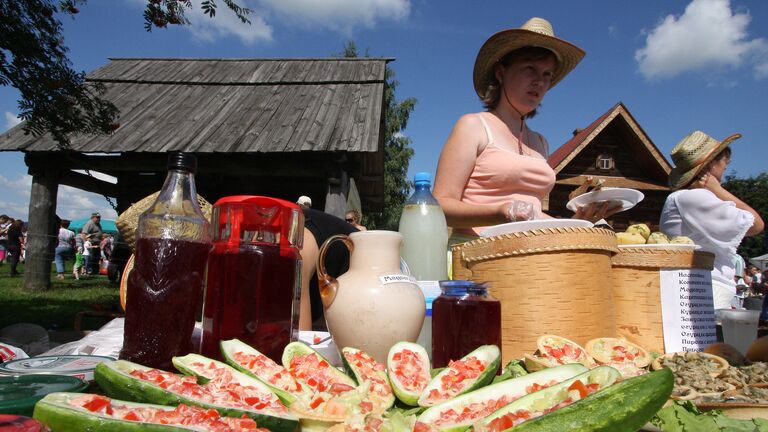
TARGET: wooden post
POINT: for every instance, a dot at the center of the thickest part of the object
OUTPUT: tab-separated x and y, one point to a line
41	234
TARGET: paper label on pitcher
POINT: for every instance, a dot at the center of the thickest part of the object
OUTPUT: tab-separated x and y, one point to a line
396	278
687	309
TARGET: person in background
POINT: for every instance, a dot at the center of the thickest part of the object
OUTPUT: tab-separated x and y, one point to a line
15	244
703	210
319	227
304	202
493	168
64	248
87	248
93	228
77	268
354	218
5	222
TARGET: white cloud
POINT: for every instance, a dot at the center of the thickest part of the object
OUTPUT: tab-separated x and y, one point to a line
707	38
71	203
342	15
11	120
226	23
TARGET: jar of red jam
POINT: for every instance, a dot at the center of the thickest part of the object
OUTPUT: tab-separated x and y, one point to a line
464	317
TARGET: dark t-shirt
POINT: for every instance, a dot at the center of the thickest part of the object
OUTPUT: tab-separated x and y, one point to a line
323	226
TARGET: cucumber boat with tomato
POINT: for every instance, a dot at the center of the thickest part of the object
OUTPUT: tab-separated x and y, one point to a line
250	361
471	372
408	369
77	412
309	367
622	407
232	395
459	413
547	400
365	369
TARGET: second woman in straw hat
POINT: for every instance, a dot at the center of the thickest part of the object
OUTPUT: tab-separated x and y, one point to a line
702	209
493	168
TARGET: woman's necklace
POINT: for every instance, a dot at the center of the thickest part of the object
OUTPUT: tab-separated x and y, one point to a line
522	124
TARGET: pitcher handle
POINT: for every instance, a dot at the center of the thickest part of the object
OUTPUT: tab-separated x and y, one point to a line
328	284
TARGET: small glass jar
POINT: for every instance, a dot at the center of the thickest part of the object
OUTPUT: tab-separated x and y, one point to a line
464	317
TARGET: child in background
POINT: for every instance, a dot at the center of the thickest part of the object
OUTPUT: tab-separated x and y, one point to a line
87	245
78	263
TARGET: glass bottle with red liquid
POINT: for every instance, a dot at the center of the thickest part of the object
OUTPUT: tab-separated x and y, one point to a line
254	270
464	317
165	287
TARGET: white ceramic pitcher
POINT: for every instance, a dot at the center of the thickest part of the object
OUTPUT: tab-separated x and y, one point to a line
373	305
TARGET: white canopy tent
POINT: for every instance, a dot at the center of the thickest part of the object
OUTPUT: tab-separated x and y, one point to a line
760	262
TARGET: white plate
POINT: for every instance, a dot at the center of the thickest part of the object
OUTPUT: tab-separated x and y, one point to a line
627	197
513	227
666	246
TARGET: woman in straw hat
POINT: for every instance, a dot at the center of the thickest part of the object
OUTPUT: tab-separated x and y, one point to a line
700	208
493	168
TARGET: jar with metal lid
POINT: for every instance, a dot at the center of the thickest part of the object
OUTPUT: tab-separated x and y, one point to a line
464	317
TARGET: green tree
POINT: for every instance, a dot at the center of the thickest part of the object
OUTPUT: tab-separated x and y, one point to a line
754	192
54	97
397	151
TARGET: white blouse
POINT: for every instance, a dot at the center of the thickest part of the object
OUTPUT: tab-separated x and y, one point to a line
716	225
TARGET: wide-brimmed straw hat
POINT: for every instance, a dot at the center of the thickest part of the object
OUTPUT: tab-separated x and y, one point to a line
537	32
692	154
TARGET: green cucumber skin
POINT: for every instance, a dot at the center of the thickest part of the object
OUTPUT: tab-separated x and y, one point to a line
622	407
62	419
407	397
351	371
484	379
118	385
558	373
300	348
231	346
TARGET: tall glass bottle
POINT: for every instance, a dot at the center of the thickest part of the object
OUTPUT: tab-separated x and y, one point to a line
424	249
165	286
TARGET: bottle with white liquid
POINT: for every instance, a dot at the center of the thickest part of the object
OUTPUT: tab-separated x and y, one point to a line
425	240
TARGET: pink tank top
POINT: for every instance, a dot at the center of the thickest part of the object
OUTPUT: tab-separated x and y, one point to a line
501	175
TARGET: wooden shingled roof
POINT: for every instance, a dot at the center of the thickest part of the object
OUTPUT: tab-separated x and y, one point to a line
233	106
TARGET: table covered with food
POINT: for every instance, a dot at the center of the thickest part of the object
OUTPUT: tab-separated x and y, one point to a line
621	337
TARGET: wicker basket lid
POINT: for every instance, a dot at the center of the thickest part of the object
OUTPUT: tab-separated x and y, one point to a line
663	258
128	220
539	241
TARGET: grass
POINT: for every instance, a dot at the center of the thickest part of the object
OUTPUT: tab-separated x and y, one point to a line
56	308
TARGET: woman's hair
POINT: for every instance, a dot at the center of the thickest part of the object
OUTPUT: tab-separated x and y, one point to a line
355	215
64	223
492	94
725	153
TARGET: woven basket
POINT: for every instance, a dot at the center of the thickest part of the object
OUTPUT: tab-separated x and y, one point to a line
549	281
128	220
637	290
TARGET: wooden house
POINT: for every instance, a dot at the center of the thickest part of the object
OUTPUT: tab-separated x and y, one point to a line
615	148
275	127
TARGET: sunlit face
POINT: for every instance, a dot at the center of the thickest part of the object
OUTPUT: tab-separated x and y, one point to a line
526	81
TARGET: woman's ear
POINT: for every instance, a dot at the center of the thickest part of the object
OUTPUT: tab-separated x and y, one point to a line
498	73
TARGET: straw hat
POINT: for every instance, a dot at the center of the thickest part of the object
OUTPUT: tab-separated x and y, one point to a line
537	32
692	154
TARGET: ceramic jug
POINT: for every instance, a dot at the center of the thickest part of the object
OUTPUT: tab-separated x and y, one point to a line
373	305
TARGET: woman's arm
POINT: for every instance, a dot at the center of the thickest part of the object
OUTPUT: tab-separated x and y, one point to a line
710	182
457	160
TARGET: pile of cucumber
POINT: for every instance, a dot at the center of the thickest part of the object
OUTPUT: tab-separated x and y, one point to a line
611	405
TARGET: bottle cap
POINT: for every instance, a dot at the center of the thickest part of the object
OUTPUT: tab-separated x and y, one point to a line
422	177
182	161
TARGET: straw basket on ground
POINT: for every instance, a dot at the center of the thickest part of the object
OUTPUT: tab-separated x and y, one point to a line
551	280
637	290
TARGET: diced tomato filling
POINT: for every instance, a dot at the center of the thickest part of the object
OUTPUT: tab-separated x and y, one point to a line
184	415
267	369
459	374
510	420
472	411
409	370
564	354
222	389
539	386
621	354
423	427
314	371
371	371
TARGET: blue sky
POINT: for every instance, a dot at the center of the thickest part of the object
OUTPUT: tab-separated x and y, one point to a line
678	65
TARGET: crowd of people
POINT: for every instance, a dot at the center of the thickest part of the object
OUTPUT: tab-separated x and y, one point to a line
13	238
